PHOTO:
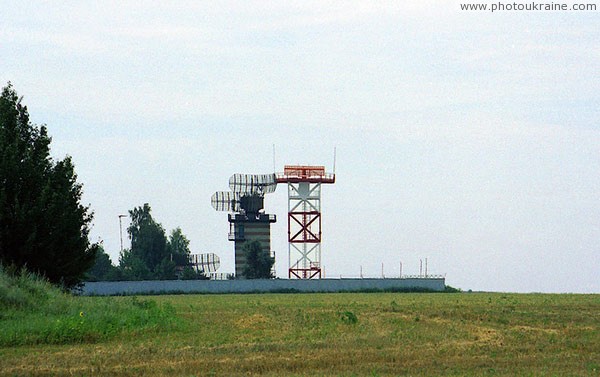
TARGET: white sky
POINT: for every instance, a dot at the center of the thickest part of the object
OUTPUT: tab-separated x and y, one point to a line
468	138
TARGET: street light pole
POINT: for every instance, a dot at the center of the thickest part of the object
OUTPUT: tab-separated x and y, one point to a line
121	231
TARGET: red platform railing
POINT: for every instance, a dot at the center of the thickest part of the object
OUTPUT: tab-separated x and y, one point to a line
304	173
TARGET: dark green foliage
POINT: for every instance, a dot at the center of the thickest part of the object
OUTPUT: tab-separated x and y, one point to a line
43	226
148	240
258	262
179	247
103	269
349	317
166	270
133	267
449	289
152	256
189	273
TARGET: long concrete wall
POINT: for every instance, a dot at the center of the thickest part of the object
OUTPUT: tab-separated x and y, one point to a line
104	288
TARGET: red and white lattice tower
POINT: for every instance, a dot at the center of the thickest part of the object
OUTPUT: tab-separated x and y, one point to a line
304	218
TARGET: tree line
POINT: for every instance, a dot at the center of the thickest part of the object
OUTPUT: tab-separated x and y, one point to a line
44	227
152	256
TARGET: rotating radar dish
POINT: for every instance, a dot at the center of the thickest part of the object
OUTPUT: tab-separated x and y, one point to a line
226	201
205	262
253	183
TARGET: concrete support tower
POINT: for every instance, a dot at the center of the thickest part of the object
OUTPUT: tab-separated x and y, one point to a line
247	220
304	218
250	225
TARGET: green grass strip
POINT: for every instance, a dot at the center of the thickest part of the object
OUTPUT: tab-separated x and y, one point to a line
32	311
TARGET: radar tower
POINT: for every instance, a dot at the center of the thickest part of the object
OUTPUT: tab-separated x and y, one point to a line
304	218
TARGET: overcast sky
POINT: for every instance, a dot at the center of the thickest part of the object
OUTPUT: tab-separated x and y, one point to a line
471	139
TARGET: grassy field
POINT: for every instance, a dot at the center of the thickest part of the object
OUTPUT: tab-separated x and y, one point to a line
361	334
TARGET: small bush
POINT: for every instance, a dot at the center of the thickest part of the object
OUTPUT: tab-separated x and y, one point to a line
449	289
349	318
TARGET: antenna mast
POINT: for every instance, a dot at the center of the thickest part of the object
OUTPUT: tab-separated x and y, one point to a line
334	155
274	168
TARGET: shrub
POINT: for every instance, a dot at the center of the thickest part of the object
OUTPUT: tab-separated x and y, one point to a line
349	317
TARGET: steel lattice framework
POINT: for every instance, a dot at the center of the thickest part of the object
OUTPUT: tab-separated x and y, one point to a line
304	218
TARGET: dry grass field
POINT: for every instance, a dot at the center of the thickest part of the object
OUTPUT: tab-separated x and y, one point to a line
359	334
